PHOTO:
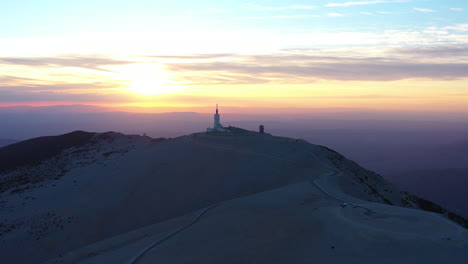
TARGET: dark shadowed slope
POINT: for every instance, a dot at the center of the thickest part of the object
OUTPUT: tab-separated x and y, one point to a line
38	149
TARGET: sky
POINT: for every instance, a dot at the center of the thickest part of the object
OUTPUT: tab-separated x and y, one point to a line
181	55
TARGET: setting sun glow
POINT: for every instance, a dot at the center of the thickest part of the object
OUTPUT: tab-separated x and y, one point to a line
148	79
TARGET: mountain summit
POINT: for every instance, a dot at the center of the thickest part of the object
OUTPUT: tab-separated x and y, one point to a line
237	197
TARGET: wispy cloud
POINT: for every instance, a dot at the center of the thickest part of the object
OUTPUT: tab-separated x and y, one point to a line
452	52
371	70
384	12
272	17
457	9
191	56
298	67
303	7
21	84
272	8
94	63
355	3
334	15
56	93
207	11
458	27
293	16
7	80
424	10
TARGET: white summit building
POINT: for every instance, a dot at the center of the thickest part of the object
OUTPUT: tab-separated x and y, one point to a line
217	123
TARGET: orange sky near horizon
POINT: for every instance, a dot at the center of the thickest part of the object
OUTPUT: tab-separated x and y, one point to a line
152	94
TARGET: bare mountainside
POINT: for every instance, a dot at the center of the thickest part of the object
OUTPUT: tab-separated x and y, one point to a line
234	197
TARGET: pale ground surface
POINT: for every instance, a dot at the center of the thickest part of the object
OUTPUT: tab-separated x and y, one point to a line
155	189
292	224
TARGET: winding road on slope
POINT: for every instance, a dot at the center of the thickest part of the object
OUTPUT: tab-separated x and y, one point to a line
139	256
332	172
460	230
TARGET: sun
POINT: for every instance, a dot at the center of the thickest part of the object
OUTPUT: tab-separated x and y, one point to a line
147	85
149	79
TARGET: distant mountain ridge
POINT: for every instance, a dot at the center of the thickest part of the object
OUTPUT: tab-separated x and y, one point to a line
38	149
6	142
74	190
446	187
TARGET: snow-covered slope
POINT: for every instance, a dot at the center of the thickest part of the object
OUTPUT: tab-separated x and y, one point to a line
293	206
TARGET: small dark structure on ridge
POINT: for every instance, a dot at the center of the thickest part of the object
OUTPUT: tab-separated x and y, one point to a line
262	129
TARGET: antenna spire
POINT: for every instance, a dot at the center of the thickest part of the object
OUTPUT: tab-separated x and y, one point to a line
216	108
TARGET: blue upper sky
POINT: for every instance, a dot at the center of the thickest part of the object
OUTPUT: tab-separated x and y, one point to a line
25	18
